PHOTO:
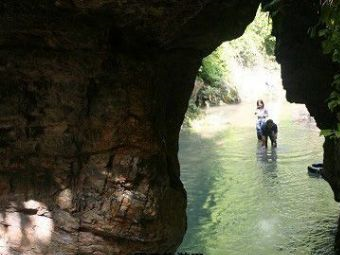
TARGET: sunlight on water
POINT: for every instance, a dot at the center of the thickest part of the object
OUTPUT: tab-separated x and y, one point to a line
252	84
244	199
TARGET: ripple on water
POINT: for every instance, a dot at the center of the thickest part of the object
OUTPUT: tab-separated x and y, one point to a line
243	199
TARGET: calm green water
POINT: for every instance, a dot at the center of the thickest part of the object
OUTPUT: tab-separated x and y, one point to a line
243	199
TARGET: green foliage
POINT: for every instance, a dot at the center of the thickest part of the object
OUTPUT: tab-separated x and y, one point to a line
269	44
214	95
330	33
331	133
326	132
230	96
192	113
254	47
213	69
330	18
256	44
214	75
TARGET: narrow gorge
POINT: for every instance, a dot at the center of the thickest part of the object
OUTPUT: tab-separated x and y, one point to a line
93	94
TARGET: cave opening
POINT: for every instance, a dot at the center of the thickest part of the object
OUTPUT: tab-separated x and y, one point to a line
93	95
242	197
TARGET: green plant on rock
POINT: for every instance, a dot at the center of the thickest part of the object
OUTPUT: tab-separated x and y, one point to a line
193	112
256	44
330	33
213	70
214	74
215	82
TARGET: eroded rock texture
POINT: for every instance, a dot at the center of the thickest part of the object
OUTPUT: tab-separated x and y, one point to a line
92	97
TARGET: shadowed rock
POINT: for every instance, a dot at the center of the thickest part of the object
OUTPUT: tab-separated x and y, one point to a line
92	97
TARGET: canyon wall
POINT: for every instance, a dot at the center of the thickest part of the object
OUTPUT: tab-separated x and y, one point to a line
92	97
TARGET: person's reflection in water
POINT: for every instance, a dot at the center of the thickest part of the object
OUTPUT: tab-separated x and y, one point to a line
267	160
266	155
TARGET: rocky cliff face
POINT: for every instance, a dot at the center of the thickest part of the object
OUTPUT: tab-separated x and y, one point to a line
307	73
93	94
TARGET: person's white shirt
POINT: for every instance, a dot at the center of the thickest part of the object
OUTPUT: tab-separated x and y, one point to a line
261	113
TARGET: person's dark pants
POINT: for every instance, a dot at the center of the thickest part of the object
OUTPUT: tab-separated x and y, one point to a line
259	136
272	137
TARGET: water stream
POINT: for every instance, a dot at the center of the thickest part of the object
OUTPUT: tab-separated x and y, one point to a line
245	199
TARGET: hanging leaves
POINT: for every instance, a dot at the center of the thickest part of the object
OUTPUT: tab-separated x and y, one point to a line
330	33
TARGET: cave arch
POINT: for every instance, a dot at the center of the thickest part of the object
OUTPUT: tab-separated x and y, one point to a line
93	94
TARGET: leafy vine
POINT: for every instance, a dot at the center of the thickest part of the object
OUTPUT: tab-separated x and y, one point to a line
330	34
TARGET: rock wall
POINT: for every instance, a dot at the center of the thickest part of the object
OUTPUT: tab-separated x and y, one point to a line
307	73
92	97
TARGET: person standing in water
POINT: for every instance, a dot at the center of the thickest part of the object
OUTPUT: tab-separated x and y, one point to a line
269	129
262	114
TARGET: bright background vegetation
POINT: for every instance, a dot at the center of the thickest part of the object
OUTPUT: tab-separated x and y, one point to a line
215	82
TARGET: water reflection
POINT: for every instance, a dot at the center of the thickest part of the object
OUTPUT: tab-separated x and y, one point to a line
246	199
266	155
